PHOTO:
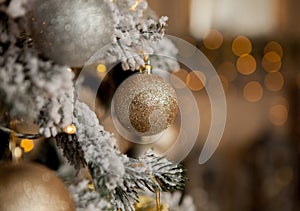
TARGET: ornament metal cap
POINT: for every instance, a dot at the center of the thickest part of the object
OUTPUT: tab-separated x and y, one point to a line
147	68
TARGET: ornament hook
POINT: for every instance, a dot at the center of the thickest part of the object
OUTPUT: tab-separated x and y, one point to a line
147	68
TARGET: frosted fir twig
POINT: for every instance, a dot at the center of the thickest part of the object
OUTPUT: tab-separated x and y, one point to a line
149	172
87	200
36	90
116	176
133	34
176	203
138	31
164	50
71	149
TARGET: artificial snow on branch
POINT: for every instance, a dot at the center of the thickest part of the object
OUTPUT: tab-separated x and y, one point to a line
33	88
117	177
30	87
178	202
71	149
87	200
137	32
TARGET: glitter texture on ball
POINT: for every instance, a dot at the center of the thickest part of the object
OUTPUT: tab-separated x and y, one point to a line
144	105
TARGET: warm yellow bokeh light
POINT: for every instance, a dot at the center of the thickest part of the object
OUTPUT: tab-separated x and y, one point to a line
195	80
253	91
101	68
272	57
27	145
178	77
70	129
241	45
274	46
213	39
274	81
228	70
246	64
278	114
271	62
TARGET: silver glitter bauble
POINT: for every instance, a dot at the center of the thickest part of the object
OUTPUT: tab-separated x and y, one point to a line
28	186
69	32
144	105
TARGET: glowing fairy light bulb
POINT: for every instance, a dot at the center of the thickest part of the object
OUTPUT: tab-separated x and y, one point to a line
71	129
27	145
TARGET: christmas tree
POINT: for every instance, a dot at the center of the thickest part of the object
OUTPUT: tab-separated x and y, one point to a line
44	47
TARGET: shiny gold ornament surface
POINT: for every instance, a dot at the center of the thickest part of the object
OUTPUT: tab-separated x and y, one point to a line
147	203
145	104
27	186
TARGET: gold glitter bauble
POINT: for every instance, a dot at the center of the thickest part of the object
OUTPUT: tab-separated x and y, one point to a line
147	203
27	186
145	104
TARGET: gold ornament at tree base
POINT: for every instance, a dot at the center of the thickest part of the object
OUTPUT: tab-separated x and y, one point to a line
27	186
147	203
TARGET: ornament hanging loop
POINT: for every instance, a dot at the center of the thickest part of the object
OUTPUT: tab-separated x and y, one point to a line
147	68
157	199
157	192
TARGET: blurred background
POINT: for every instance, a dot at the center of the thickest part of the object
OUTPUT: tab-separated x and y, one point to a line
254	45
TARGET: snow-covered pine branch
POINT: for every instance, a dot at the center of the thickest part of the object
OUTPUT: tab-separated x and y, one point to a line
116	176
30	87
